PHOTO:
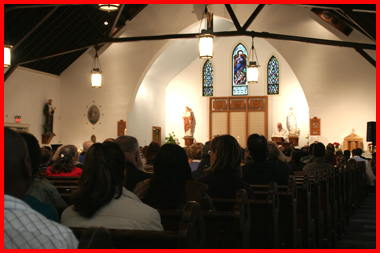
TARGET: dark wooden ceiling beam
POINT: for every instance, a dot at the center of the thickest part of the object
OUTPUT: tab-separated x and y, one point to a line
112	27
363	25
253	16
233	17
217	34
366	56
370	8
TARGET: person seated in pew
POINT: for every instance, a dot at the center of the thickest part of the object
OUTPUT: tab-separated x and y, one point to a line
295	162
356	155
224	176
195	152
102	199
276	156
261	171
204	163
40	188
24	228
45	157
64	163
319	162
172	184
341	161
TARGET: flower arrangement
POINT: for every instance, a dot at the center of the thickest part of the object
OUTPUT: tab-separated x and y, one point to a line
336	144
370	144
171	139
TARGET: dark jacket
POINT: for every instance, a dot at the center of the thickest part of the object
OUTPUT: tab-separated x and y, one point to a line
134	176
264	172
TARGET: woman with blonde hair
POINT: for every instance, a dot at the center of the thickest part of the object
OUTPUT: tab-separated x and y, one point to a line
224	176
64	165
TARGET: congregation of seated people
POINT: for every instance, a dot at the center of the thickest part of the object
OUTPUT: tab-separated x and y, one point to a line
123	186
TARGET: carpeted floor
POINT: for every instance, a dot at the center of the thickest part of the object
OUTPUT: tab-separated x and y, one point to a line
361	232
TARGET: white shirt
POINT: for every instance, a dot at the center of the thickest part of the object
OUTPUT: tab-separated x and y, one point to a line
126	212
24	228
370	176
282	133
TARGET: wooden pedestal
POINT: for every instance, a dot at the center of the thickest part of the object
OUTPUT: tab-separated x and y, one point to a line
294	139
46	138
188	140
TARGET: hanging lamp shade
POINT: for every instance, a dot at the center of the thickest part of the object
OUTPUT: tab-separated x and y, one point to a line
7	55
206	45
109	7
253	72
96	73
253	67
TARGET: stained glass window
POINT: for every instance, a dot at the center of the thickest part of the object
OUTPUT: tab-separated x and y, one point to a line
208	79
273	76
239	70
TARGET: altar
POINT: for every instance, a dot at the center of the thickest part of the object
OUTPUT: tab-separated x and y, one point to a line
280	141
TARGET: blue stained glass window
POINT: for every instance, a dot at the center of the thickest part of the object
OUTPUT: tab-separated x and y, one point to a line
239	70
273	76
208	79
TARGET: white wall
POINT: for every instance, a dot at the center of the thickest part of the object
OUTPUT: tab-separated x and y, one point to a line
25	93
186	90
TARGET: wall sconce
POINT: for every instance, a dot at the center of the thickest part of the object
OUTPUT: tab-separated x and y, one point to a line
96	72
109	7
253	67
7	54
17	118
206	39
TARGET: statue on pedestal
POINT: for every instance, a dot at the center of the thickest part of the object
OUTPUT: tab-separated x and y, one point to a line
291	123
49	116
188	121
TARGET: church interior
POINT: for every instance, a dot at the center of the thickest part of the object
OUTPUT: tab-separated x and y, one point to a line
148	58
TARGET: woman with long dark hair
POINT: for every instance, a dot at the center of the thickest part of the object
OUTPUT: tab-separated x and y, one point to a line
224	176
172	184
64	164
102	200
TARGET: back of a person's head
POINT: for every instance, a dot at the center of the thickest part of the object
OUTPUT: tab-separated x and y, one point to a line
356	151
34	150
151	151
195	150
347	153
258	147
360	151
64	162
330	147
311	150
167	188
45	156
319	149
228	154
17	171
296	155
101	179
128	143
305	151
329	156
86	145
341	159
205	149
273	151
339	152
171	160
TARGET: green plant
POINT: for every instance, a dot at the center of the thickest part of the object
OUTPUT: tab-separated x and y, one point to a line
307	138
171	139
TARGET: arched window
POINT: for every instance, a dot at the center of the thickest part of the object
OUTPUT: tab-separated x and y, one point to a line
273	76
239	70
208	79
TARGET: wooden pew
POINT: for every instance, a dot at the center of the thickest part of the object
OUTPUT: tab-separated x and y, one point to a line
263	214
189	235
95	238
224	229
65	186
304	210
290	235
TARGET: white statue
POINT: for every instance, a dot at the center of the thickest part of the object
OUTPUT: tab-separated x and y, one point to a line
291	123
188	121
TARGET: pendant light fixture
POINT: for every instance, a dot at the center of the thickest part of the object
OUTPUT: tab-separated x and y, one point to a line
109	7
206	39
7	54
253	67
96	72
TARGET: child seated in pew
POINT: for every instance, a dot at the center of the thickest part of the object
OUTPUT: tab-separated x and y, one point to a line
172	184
102	200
